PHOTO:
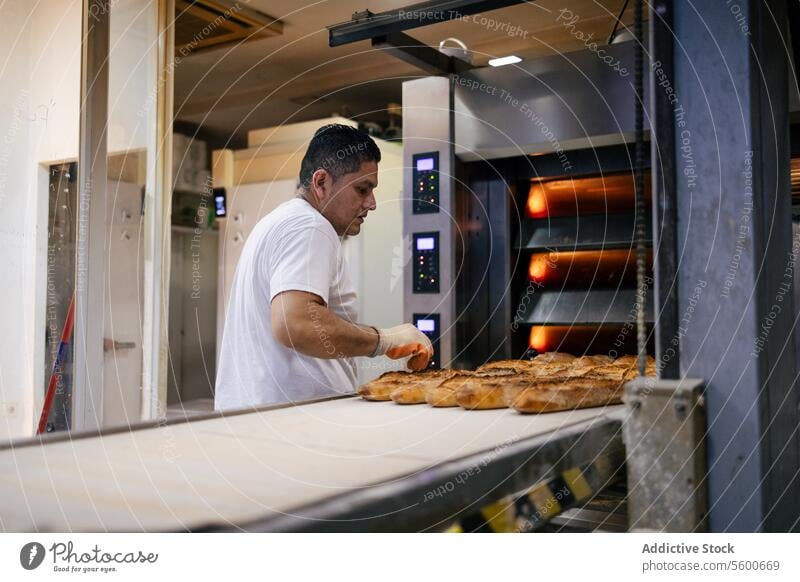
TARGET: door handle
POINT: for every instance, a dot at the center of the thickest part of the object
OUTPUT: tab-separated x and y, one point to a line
109	344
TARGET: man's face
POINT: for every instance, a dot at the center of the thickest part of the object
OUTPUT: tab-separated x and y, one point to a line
350	198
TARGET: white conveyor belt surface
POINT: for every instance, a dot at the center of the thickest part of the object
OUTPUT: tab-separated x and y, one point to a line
234	469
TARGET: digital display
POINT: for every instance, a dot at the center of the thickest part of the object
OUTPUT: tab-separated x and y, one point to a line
424	164
425	243
219	202
426	325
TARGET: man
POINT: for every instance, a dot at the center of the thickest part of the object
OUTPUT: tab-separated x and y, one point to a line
290	332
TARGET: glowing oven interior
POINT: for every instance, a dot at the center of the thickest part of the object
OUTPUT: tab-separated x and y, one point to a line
588	283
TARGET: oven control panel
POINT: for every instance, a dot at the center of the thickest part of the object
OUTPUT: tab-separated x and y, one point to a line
429	325
426	262
426	183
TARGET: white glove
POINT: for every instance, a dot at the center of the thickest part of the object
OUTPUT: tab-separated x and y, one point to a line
405	340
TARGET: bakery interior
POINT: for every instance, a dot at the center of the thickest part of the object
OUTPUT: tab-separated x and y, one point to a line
590	207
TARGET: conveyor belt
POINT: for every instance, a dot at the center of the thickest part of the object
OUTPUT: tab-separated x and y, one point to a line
336	464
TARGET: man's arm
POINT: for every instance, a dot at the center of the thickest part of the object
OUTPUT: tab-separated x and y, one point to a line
302	322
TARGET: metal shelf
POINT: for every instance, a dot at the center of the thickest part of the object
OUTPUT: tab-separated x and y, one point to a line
583	307
585	232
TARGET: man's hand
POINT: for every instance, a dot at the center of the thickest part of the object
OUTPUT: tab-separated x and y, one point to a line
406	340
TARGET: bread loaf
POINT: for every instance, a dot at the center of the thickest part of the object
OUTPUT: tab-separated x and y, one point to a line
546	361
444	395
483	393
554	358
586	364
584	385
515	365
381	388
568	394
552	381
414	391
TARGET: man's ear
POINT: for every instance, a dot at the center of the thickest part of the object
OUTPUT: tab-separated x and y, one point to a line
321	184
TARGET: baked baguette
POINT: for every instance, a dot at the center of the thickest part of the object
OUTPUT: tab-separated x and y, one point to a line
626	361
547	361
515	365
411	394
484	393
382	387
554	358
444	395
586	364
478	396
586	367
481	394
586	384
609	372
414	391
568	394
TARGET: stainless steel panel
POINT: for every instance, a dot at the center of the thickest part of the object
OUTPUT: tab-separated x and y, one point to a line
552	104
87	390
664	433
427	127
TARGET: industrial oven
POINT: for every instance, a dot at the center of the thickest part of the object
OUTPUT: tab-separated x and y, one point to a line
520	210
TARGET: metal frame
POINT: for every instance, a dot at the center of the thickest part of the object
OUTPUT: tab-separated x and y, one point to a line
157	227
733	200
91	237
366	25
664	221
794	29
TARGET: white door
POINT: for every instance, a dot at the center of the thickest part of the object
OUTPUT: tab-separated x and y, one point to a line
122	362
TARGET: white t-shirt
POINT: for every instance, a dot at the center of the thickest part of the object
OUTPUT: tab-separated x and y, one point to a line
293	248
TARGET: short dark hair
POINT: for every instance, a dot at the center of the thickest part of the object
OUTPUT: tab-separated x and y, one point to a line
338	149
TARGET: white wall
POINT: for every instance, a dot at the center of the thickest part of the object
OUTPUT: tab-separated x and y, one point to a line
40	60
39	73
14	144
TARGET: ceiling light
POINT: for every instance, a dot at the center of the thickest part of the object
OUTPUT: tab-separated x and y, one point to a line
509	60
